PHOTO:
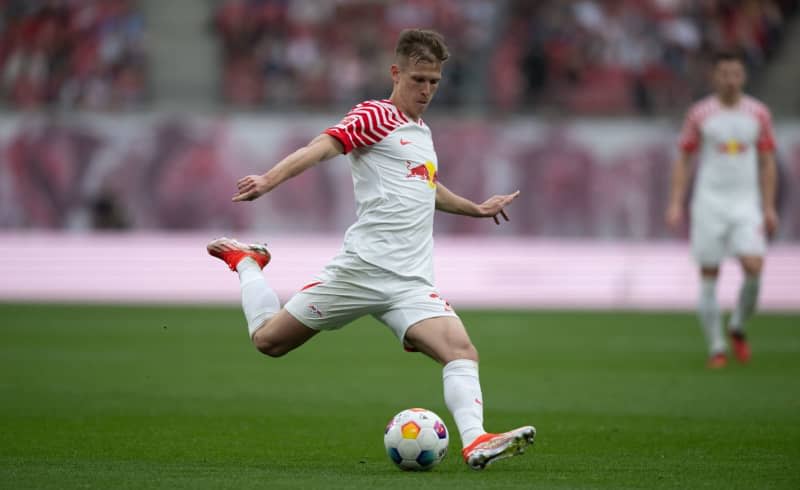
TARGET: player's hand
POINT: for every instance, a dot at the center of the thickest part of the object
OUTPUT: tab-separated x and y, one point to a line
674	216
251	187
770	221
493	206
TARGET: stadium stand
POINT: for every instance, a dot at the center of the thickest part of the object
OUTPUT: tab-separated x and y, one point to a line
617	57
72	55
283	59
278	54
627	57
584	56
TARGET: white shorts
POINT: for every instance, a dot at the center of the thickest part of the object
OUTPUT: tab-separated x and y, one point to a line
349	288
715	237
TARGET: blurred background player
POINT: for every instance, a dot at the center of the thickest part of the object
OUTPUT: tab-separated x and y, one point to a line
385	268
733	203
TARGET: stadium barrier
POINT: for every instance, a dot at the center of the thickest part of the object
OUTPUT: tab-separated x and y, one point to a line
140	268
588	179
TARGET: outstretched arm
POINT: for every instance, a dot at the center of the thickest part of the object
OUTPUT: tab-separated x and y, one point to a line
321	148
449	202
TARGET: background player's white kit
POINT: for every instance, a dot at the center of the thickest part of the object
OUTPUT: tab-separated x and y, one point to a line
727	216
733	208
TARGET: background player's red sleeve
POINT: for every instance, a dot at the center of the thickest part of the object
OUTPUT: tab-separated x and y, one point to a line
766	135
690	134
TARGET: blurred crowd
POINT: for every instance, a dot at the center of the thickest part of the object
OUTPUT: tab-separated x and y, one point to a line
579	56
627	56
574	56
72	54
279	54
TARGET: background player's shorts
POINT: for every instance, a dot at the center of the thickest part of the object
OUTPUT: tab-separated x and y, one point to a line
716	237
349	288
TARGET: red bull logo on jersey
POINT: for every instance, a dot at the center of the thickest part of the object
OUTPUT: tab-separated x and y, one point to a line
732	147
426	172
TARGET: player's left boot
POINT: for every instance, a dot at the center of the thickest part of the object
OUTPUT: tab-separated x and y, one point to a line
233	251
741	349
488	448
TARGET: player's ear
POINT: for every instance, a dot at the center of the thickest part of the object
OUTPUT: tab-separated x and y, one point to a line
395	69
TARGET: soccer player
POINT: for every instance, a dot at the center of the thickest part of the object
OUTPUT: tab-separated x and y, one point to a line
733	202
385	267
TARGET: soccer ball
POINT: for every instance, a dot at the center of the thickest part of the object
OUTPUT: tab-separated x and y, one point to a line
416	439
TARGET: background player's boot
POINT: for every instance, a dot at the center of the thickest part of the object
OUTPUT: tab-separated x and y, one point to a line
741	349
233	251
488	448
718	361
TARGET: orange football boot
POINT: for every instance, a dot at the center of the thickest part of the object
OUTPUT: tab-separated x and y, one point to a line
232	252
488	448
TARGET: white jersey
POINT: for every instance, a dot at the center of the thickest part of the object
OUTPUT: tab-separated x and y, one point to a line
394	169
729	140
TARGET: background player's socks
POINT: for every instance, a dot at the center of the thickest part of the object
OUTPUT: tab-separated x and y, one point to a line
462	395
710	318
748	296
259	301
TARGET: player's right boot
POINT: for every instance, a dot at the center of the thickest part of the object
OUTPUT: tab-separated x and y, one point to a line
488	448
741	349
232	252
717	361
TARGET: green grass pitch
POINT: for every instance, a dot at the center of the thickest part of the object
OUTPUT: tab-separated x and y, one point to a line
176	397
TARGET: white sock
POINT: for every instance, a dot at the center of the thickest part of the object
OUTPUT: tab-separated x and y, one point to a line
259	301
748	297
462	395
710	318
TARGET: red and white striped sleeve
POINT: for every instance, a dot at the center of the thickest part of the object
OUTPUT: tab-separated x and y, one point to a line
366	124
766	134
689	139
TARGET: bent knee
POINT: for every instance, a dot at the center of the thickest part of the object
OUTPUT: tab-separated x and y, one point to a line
472	353
752	268
271	350
267	347
464	351
752	264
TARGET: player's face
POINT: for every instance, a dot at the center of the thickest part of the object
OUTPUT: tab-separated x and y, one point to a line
414	85
729	78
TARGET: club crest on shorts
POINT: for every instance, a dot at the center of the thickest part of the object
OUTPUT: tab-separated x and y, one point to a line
447	306
314	311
